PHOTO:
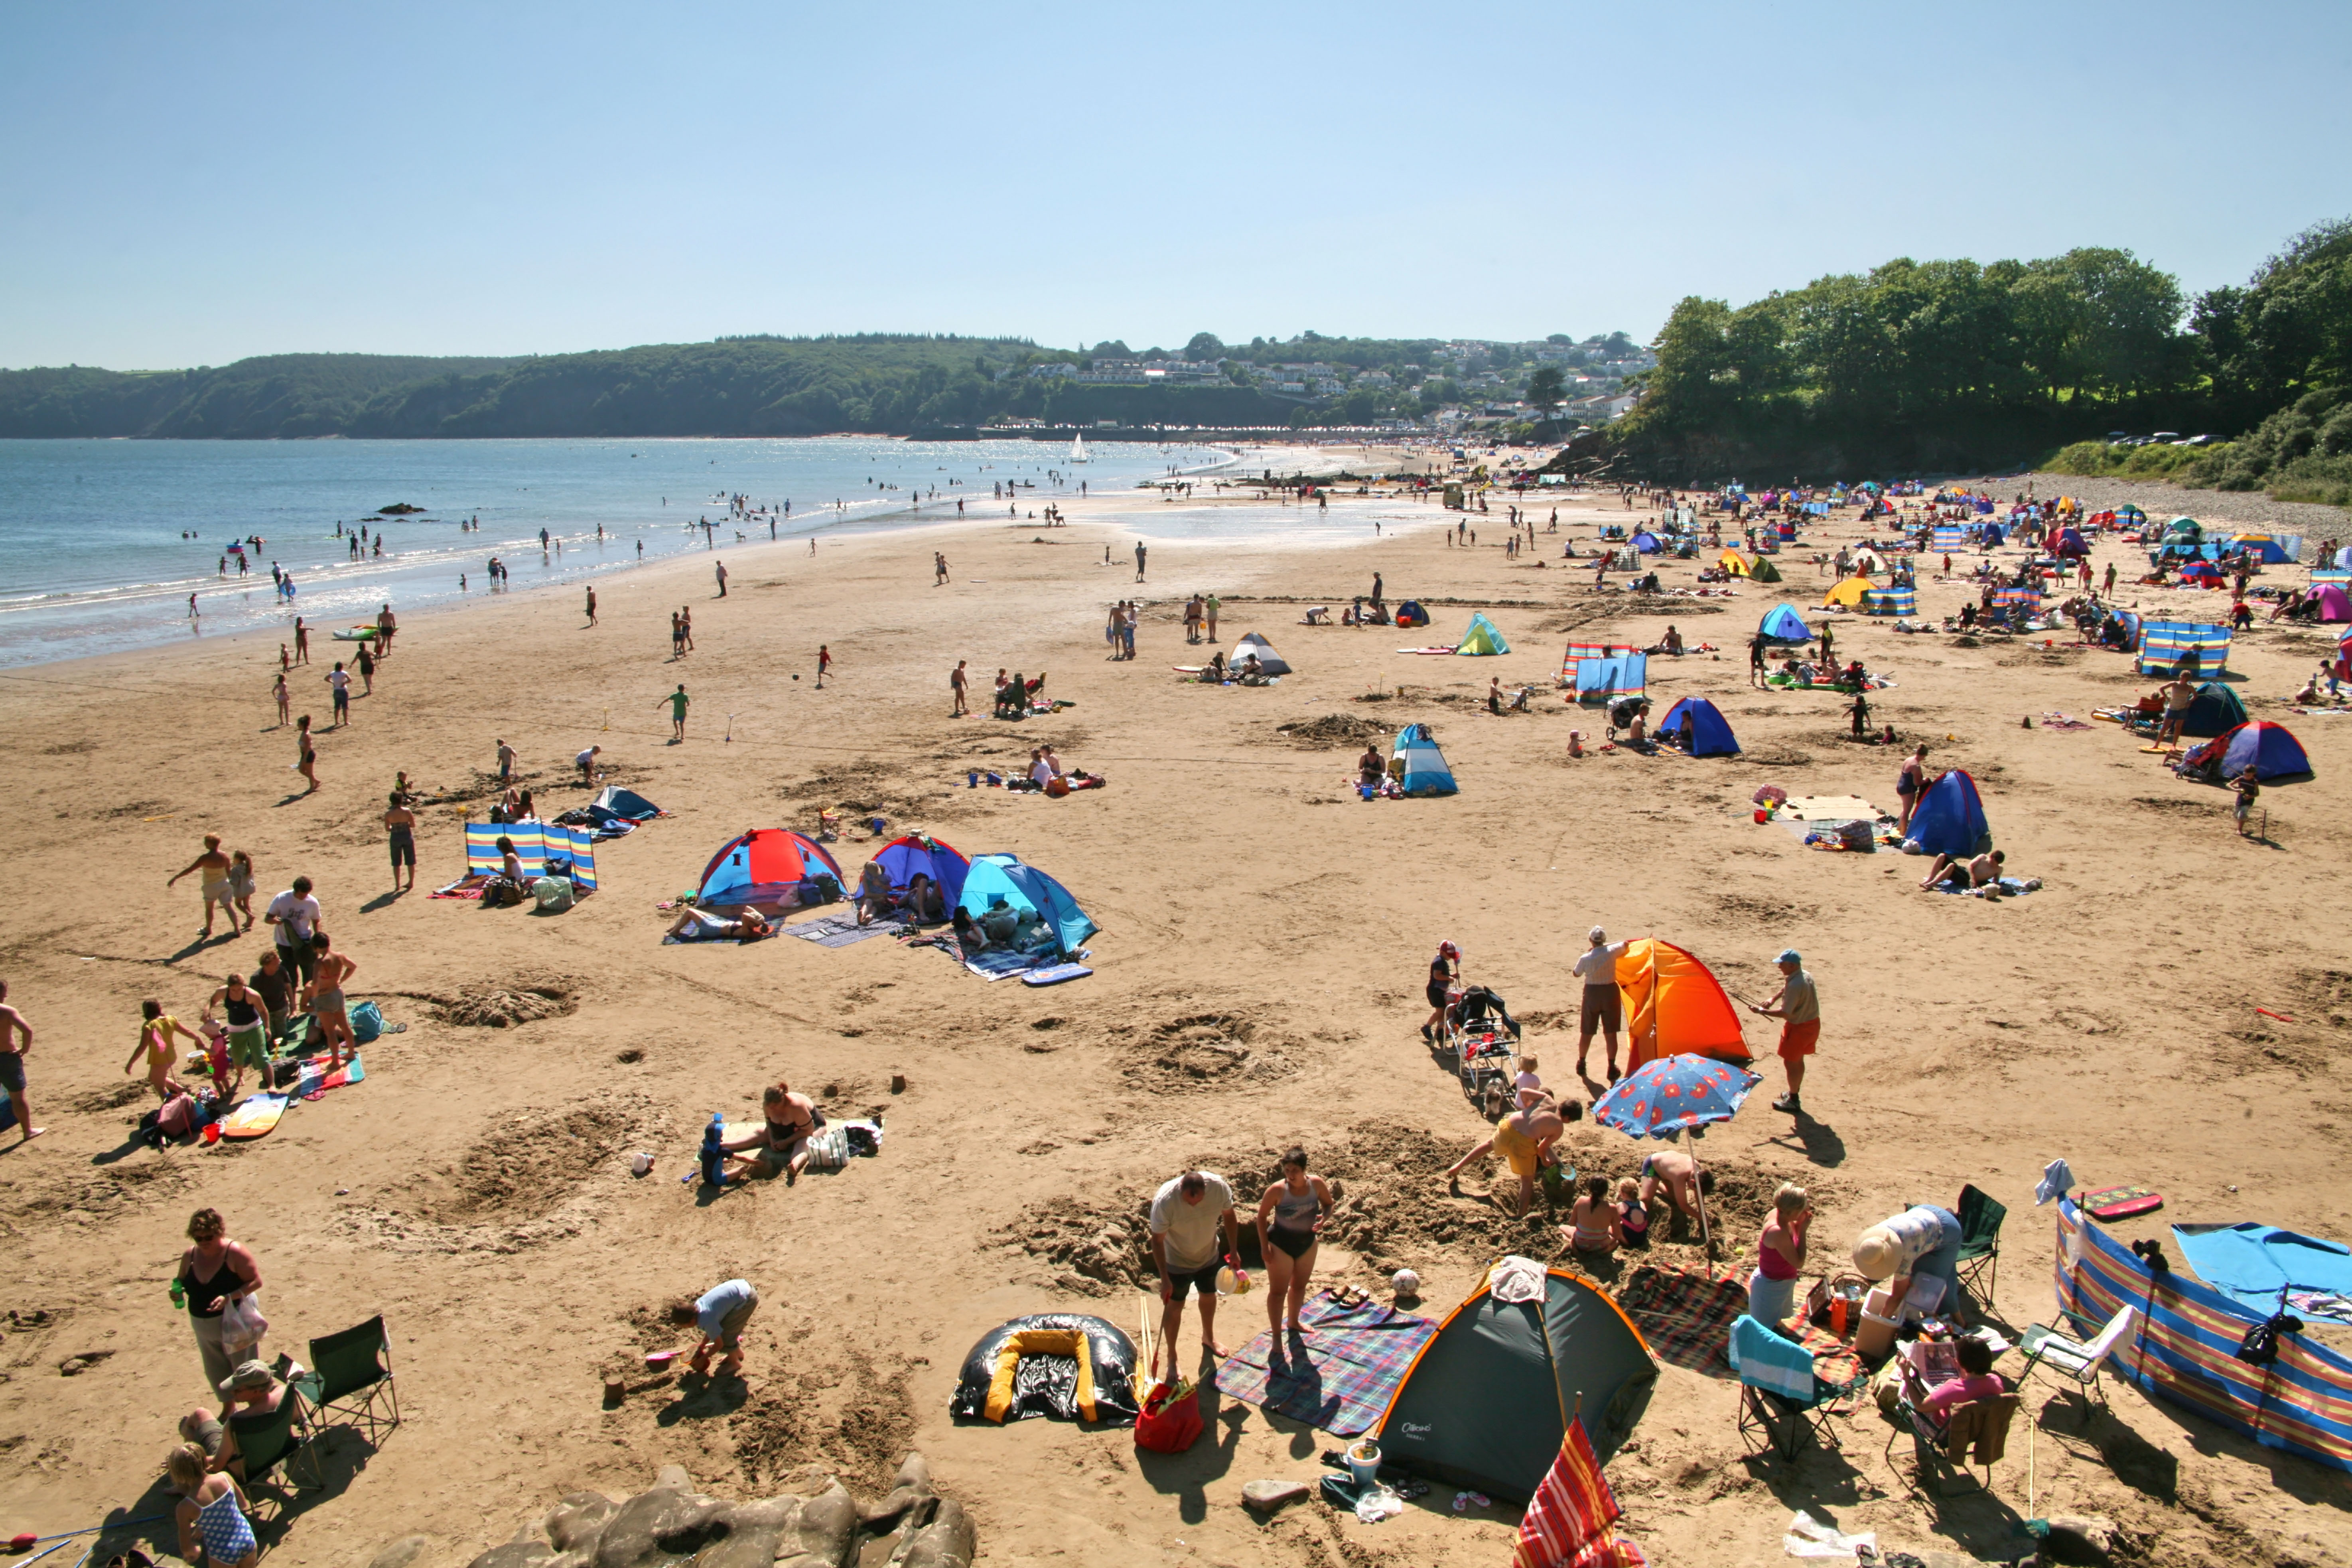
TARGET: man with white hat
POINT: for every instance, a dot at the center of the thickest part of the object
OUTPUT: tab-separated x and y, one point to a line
1798	1007
1923	1242
1603	1005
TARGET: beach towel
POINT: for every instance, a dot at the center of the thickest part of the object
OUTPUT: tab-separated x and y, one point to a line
1003	962
463	887
1342	1377
1686	1315
841	930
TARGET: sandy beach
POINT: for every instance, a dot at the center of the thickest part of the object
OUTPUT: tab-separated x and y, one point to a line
1257	982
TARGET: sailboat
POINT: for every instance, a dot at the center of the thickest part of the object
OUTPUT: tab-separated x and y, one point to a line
1078	449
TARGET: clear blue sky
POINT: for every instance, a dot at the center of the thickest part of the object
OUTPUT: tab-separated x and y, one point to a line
192	183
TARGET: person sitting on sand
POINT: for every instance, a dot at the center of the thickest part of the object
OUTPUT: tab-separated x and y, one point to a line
1372	767
872	895
926	899
1961	873
787	1123
1012	698
1673	1175
1524	1139
1633	1214
702	925
1213	673
970	938
1595	1228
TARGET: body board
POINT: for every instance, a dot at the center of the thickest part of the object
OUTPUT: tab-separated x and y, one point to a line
256	1117
1057	974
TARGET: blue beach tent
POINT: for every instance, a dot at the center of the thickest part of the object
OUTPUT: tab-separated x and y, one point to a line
1646	542
1782	624
1483	637
904	858
1425	772
2215	710
1002	878
1698	727
2271	750
1950	819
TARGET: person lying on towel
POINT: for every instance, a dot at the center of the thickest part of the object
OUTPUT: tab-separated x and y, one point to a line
701	925
1984	870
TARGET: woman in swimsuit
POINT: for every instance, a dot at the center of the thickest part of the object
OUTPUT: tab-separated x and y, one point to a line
285	699
1443	971
1909	785
305	758
1289	1226
155	1034
326	998
790	1120
1595	1227
215	868
214	1529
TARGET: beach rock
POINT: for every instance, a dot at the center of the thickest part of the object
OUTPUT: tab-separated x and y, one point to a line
573	1524
947	1541
910	1493
1265	1496
2081	1537
401	1553
524	1551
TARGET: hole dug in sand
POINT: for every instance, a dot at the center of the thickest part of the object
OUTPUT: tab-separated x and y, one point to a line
1202	1051
528	1166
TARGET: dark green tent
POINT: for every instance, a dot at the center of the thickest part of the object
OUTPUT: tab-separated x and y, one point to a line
2216	710
1485	1405
1763	571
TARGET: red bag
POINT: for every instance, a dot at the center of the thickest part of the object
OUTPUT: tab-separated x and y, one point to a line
1169	1426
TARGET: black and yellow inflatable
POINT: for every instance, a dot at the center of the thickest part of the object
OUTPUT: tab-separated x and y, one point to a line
1051	1364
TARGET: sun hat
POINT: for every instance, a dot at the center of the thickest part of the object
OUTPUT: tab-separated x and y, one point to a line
1876	1254
249	1374
1596	936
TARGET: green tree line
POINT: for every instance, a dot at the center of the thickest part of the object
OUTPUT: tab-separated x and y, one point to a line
1948	366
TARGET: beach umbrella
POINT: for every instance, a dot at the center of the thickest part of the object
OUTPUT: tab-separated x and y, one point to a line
1676	1094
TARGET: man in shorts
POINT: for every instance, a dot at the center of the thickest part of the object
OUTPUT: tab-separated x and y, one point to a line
1187	1217
1524	1139
400	832
15	1039
1756	647
276	985
720	1315
1798	1007
293	915
1603	1005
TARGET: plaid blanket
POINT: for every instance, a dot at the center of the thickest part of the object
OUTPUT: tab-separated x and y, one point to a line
1341	1376
1686	1315
841	930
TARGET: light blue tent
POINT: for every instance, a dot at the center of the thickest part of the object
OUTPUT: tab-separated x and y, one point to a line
1004	880
1425	772
1782	624
1483	637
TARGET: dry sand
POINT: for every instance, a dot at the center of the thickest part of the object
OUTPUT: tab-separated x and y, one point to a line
1257	982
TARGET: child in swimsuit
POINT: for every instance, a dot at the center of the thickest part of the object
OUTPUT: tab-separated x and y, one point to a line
1633	1214
211	1512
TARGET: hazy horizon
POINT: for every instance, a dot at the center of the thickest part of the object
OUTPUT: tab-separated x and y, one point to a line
189	187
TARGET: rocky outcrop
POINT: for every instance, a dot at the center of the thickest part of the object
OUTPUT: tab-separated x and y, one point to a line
813	1522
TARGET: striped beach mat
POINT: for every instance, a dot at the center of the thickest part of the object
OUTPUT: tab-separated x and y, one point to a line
1340	1379
2186	1348
1686	1315
2164	644
534	843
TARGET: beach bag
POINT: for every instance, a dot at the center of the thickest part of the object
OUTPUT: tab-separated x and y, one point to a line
242	1324
1057	786
1170	1421
367	1022
177	1117
553	893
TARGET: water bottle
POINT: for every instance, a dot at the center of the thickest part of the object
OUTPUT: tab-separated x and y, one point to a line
179	1292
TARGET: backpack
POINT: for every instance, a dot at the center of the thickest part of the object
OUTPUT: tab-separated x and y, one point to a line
554	894
367	1022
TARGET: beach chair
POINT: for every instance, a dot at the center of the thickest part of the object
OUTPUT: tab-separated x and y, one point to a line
1974	1433
1979	1218
280	1439
1782	1398
353	1371
2077	1360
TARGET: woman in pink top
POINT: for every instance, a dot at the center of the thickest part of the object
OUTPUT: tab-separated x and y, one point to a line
1977	1381
1780	1256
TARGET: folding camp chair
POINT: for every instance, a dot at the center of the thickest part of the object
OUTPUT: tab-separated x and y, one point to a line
278	1438
1979	1218
353	1369
1976	1431
1780	1397
2046	1347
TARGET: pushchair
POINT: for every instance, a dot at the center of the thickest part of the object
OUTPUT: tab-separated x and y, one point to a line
1483	1040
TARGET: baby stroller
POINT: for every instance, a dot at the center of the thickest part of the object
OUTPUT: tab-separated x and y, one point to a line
1483	1040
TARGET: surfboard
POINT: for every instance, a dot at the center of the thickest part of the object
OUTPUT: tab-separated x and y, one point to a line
256	1117
1056	975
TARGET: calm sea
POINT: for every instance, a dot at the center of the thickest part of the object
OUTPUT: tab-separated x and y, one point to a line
102	541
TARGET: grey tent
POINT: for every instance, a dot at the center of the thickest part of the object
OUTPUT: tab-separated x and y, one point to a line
1268	661
1487	1403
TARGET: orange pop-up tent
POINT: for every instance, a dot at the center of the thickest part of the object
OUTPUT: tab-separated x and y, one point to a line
1674	1006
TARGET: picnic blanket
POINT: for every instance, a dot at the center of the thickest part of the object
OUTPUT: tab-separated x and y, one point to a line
840	930
1341	1378
1686	1315
1003	962
1829	808
463	887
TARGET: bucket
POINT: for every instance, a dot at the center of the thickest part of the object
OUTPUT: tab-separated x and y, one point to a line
1232	1281
1877	1335
211	1131
972	780
1364	1461
641	1162
1762	816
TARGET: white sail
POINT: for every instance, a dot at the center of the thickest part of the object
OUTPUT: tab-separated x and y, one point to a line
1078	449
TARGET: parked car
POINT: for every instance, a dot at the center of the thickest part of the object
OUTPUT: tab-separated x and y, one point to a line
2170	437
2199	441
2117	438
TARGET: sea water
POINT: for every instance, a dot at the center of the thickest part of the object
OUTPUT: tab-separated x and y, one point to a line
102	541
